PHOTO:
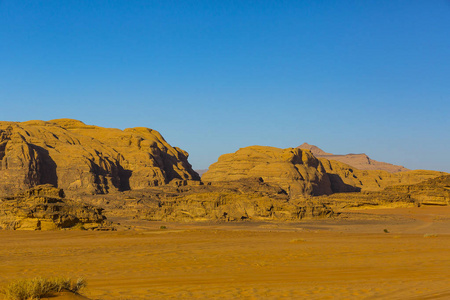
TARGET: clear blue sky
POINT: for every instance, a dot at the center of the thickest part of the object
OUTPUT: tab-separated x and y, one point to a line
215	76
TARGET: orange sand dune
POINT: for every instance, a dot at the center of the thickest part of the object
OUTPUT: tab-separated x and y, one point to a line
335	259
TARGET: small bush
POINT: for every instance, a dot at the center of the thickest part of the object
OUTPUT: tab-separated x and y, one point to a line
386	231
297	241
38	287
429	235
162	227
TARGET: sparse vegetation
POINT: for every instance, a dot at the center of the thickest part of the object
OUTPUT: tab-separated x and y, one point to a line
162	227
385	230
38	287
297	241
429	235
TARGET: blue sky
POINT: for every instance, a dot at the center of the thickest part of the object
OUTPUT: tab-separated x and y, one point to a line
215	76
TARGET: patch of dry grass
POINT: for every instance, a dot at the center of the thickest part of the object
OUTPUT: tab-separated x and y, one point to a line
38	287
297	241
430	235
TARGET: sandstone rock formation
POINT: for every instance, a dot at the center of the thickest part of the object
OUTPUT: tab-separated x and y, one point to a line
296	171
238	200
359	161
135	173
435	191
345	178
81	158
300	174
314	149
44	208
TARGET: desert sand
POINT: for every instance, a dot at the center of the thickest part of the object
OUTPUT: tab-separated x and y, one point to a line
350	257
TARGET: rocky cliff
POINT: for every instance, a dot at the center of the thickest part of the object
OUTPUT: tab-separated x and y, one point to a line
135	173
44	207
435	191
296	171
81	158
300	173
345	178
239	200
359	161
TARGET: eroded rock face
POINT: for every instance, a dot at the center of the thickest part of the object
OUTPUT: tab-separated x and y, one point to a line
248	199
345	178
435	191
44	208
299	173
86	159
359	161
296	171
230	207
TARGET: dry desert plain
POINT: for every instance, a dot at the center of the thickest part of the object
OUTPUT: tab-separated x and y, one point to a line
349	257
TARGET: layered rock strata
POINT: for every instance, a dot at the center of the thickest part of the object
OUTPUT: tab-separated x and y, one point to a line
434	191
296	171
345	178
359	161
86	159
239	200
45	208
300	174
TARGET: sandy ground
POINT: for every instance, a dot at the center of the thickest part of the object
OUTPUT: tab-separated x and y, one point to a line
346	258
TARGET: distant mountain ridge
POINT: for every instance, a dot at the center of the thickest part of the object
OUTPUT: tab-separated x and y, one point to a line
359	161
201	172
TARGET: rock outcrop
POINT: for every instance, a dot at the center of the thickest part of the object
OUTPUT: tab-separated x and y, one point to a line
435	191
88	159
359	161
300	174
314	149
296	171
248	199
45	208
345	178
135	173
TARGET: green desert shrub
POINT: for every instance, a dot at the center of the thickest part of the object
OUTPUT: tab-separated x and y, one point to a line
38	287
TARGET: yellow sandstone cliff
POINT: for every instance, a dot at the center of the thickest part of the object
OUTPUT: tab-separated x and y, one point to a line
297	171
80	158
